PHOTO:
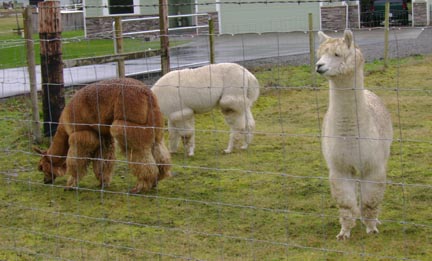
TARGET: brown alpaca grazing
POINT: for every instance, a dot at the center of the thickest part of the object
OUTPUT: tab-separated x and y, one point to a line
124	110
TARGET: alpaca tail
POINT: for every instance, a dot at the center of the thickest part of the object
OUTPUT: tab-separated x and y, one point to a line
253	89
162	156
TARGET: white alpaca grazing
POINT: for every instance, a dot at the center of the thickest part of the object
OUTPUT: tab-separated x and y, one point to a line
183	93
357	134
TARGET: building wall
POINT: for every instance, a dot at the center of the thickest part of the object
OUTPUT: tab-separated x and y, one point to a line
232	18
94	8
151	8
98	25
206	6
70	20
260	18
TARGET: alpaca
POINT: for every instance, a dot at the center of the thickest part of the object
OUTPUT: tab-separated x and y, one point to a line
122	110
357	135
186	92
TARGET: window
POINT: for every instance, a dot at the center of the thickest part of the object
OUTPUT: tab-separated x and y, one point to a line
121	7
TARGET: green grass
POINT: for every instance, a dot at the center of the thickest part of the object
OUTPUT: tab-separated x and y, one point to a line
74	45
271	202
8	22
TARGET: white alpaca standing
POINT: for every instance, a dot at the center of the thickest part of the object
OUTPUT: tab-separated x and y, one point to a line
183	93
357	134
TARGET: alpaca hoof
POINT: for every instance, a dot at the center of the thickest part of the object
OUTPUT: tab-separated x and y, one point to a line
135	191
70	189
371	226
244	147
227	151
343	235
190	150
372	230
140	187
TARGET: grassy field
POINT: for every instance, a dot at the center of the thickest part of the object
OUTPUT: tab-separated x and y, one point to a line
271	202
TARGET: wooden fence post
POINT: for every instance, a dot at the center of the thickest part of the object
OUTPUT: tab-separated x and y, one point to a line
31	67
164	40
119	46
211	39
386	32
311	46
53	100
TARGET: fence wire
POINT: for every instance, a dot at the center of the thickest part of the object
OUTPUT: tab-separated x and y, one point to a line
271	201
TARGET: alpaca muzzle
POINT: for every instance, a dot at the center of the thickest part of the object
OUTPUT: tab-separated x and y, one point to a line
320	68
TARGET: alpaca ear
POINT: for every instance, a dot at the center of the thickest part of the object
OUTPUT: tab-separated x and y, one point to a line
348	38
322	36
38	150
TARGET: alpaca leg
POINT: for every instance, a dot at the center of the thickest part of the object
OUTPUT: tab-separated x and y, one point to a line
82	146
185	131
144	168
188	137
234	138
250	128
237	113
184	122
372	194
343	190
174	137
137	142
237	124
104	164
163	159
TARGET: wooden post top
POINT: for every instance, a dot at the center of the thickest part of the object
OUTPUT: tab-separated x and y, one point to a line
49	17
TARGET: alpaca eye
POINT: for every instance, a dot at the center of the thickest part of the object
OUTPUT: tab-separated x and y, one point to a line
337	55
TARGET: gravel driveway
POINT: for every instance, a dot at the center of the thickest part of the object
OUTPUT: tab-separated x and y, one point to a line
372	47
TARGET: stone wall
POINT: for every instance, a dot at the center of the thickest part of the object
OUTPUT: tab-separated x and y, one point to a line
101	27
334	17
420	13
204	20
354	16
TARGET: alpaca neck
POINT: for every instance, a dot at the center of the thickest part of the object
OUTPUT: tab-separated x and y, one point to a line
59	146
347	102
353	80
347	91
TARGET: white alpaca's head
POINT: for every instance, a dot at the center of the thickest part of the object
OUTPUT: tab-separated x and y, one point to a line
338	57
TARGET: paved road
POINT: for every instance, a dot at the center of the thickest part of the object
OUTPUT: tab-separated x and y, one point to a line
248	49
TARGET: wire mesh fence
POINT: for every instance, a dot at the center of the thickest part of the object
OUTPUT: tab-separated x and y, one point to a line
269	202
